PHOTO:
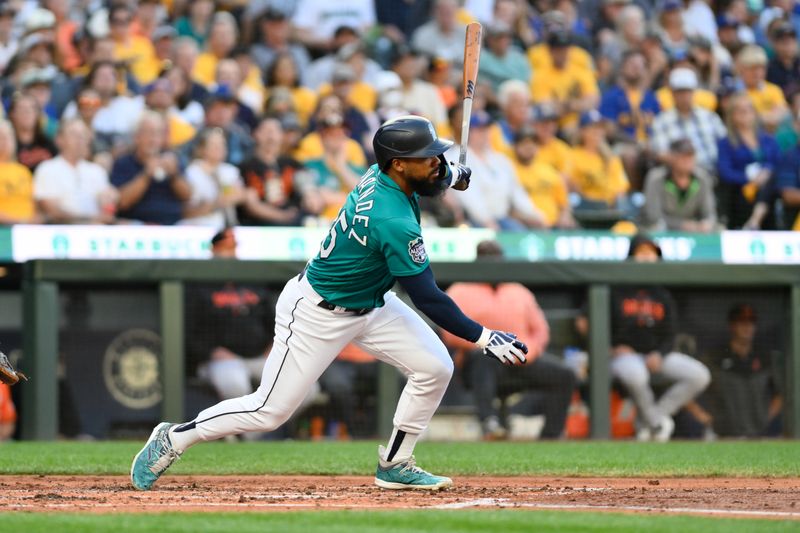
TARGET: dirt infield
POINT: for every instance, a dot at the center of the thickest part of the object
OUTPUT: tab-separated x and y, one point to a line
745	497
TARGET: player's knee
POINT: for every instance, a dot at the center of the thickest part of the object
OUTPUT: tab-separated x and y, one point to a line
701	378
635	378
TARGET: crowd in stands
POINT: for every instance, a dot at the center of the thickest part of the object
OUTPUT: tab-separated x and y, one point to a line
678	115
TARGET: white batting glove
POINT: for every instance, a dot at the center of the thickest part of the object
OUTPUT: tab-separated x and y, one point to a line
461	176
504	346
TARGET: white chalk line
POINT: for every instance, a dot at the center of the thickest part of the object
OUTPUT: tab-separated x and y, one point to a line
504	502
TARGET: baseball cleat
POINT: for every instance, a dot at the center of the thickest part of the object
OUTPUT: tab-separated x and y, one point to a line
407	475
154	459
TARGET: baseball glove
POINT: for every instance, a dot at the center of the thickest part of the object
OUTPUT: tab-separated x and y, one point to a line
8	375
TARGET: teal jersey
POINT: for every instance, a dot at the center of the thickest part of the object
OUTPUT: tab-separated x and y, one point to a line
375	239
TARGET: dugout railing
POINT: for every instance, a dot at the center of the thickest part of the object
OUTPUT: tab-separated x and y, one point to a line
43	279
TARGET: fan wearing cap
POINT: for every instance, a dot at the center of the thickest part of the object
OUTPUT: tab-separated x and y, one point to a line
283	73
497	200
159	96
310	146
500	59
746	390
684	81
597	173
545	186
679	196
249	101
671	26
686	119
138	51
571	88
784	68
643	327
768	99
347	83
550	148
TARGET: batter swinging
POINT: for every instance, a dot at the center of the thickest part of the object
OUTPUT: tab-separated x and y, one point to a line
344	296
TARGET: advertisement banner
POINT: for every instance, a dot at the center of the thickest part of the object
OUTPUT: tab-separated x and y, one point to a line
605	246
767	247
192	242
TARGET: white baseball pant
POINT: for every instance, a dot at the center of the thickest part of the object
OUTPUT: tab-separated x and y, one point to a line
308	338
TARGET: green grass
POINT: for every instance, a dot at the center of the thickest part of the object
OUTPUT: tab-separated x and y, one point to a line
744	459
384	522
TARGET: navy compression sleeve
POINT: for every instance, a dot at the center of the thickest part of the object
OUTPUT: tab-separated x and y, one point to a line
438	306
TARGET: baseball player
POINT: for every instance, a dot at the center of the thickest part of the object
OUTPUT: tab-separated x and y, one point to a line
343	295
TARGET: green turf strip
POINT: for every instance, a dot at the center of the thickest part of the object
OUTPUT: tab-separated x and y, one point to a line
736	458
384	522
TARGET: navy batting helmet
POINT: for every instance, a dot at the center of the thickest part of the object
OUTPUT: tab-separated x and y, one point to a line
407	136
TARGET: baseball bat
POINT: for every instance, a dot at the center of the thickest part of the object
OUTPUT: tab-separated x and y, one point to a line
472	55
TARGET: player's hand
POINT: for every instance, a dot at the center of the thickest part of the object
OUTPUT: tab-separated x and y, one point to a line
461	176
506	347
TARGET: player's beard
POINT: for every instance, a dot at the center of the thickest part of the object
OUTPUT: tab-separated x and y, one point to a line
430	187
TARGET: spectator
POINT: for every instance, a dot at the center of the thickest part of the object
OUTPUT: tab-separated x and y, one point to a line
630	33
687	120
310	146
163	43
221	108
196	22
235	321
283	72
159	96
629	109
679	196
249	101
87	105
699	20
746	385
643	327
419	97
730	32
549	148
186	107
8	413
711	61
546	188
282	188
334	175
767	98
184	57
135	50
33	146
151	185
360	124
64	30
495	199
366	75
321	69
544	373
217	187
443	35
568	86
222	39
440	74
788	185
8	41
147	17
514	101
747	159
38	82
275	33
401	23
316	22
597	173
69	189
501	60
700	97
118	114
784	68
671	26
17	205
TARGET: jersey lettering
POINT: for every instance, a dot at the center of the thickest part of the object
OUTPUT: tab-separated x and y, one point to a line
361	240
363	206
325	250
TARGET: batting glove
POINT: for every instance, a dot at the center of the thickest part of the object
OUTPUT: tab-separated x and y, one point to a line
461	176
504	346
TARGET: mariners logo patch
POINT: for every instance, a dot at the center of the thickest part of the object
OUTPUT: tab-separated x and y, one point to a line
416	249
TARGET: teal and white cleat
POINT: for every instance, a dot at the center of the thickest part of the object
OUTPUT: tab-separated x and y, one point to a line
154	459
407	475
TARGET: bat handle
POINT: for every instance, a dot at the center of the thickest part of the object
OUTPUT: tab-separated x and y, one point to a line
467	113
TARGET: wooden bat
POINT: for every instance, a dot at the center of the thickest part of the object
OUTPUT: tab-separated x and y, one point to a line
472	55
